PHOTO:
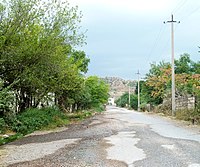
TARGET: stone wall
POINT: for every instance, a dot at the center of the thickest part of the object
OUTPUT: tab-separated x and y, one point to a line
185	102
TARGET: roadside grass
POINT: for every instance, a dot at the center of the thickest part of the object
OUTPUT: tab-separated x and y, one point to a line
39	119
189	115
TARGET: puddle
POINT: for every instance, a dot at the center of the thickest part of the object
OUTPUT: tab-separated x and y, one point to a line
124	148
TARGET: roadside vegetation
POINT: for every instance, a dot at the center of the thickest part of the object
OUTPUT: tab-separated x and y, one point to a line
42	74
155	90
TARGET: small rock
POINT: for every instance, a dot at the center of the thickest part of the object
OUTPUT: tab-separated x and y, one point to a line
5	136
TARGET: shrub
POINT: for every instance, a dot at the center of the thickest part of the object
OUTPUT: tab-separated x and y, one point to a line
6	99
100	108
188	115
10	138
183	114
35	119
2	126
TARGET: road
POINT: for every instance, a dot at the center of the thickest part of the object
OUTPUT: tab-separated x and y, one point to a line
117	138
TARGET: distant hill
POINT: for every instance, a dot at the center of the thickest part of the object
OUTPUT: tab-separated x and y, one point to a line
119	86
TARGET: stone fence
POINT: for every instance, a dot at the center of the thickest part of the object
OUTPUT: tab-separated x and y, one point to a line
184	102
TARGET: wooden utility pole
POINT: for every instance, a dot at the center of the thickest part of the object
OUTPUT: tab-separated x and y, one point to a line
173	73
129	97
138	73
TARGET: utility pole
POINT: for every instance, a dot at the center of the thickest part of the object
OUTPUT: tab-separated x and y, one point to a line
172	21
138	73
129	97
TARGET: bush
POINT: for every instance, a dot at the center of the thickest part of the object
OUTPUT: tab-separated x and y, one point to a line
100	108
35	119
188	115
2	126
6	99
184	114
10	138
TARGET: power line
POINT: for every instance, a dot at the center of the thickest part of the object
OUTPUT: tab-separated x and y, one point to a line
156	42
166	43
160	33
179	6
191	13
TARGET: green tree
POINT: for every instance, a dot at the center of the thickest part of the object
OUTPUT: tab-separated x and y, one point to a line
98	90
36	45
123	101
196	67
146	95
157	69
79	58
158	81
6	99
183	64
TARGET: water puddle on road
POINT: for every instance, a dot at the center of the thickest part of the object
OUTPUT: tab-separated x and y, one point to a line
124	148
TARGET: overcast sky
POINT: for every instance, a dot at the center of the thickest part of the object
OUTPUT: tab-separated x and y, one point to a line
127	35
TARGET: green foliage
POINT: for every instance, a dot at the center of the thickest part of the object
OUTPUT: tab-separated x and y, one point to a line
35	119
124	100
158	81
36	49
10	138
156	69
189	115
183	64
98	109
146	95
2	126
79	58
196	67
134	102
6	99
98	91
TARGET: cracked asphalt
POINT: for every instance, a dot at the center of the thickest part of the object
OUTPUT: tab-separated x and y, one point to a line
116	138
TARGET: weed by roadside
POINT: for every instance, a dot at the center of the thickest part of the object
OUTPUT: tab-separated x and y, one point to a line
38	119
189	115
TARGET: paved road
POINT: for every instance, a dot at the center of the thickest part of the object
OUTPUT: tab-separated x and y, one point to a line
117	138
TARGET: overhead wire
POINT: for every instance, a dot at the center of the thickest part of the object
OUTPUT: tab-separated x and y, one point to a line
160	33
191	13
155	42
177	9
179	6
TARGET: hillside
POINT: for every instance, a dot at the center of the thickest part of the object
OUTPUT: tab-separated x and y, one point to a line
119	86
